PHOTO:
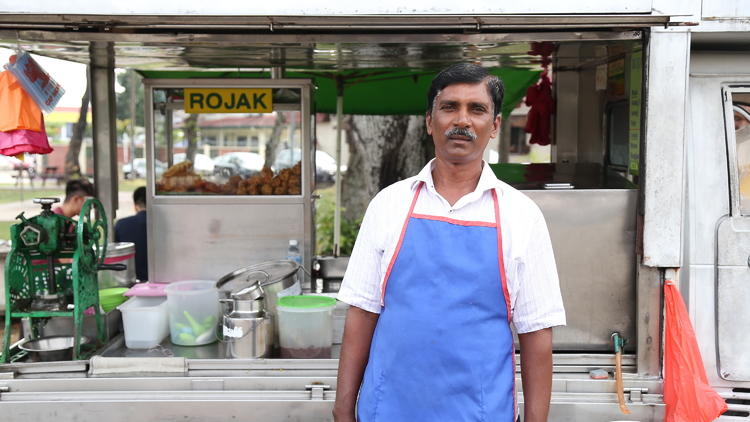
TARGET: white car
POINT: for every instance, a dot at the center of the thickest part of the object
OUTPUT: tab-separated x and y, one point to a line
138	169
325	165
244	164
202	163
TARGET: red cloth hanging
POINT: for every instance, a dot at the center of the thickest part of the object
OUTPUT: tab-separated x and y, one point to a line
21	121
539	119
22	141
687	394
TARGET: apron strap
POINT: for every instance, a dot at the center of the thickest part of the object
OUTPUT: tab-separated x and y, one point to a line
500	258
400	241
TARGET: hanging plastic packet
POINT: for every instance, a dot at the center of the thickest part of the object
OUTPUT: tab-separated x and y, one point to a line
38	83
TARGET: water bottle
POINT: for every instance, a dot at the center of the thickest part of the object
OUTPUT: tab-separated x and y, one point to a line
293	253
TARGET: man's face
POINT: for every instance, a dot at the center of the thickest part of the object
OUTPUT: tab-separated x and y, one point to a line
462	122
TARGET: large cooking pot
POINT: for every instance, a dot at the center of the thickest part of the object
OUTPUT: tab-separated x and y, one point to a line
277	278
119	253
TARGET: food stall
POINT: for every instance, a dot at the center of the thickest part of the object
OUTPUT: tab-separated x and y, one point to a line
613	194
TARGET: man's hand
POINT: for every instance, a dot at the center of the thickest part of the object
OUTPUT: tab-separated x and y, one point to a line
536	373
355	351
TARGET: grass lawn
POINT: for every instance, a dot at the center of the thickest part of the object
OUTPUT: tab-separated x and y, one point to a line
5	228
14	194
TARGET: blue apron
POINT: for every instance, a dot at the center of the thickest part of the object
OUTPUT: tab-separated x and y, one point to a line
442	349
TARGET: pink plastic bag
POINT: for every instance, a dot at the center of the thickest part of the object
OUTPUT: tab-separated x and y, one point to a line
687	394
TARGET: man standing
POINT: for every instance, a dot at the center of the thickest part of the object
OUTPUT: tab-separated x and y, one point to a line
445	262
76	192
133	229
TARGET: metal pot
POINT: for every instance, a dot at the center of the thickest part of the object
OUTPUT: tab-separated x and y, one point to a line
281	281
119	253
246	329
50	349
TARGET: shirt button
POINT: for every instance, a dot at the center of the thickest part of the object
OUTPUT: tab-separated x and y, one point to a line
451	210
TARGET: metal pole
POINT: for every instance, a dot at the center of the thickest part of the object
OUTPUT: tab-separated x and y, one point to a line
102	72
133	88
339	123
168	136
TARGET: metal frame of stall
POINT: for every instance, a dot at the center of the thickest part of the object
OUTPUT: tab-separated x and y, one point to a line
255	386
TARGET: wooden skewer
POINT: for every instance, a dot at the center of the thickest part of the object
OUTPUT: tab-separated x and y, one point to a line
619	384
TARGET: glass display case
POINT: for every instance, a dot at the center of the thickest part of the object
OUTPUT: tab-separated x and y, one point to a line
227	141
231	174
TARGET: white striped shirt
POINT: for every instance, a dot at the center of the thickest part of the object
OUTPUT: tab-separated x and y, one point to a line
533	284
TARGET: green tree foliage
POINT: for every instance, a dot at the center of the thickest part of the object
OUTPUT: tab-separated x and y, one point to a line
122	101
324	226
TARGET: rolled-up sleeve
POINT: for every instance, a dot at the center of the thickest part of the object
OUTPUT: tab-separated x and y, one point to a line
361	284
538	304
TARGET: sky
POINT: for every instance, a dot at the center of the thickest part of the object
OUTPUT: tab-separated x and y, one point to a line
70	75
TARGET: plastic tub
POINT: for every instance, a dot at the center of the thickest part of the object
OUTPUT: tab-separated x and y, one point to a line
305	326
193	312
145	321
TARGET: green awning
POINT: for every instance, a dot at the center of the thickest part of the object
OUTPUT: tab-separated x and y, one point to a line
372	91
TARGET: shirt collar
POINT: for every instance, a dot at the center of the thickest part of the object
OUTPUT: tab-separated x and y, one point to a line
487	180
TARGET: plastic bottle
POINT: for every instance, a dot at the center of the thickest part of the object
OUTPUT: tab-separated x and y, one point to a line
293	253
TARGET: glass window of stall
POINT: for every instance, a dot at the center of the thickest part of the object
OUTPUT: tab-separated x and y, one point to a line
227	141
740	126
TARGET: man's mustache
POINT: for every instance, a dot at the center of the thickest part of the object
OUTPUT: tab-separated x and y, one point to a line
461	131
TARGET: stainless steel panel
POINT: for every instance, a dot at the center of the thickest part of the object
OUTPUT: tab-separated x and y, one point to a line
208	240
593	236
300	10
102	75
648	320
246	407
733	297
666	77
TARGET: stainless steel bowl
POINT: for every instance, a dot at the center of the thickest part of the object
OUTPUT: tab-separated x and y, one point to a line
51	349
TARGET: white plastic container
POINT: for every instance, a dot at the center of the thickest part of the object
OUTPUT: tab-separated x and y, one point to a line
145	321
305	326
193	312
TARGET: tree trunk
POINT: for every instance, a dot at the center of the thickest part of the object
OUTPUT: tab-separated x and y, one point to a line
191	135
272	145
72	166
382	150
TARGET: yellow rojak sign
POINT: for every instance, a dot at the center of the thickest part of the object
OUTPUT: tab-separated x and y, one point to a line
228	100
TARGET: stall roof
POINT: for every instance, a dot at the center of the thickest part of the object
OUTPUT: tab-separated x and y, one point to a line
373	91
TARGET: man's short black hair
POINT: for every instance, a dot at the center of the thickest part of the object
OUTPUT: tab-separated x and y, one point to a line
78	187
139	196
467	73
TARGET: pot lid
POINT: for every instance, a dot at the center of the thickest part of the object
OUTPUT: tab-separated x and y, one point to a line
120	249
266	273
306	302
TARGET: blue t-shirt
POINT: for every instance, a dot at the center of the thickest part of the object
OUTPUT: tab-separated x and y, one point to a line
133	229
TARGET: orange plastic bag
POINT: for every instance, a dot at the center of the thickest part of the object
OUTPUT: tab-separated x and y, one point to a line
18	111
687	394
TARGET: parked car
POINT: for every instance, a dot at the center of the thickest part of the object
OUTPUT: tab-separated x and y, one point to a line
325	165
202	163
244	164
138	169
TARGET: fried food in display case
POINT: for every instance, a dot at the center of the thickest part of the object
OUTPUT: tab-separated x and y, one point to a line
182	179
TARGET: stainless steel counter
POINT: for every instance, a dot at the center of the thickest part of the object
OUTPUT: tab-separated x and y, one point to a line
593	237
166	348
